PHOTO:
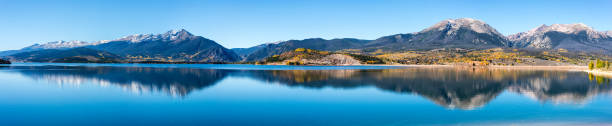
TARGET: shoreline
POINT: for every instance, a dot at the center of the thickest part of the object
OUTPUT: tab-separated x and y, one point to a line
566	67
578	68
521	67
607	74
407	65
570	68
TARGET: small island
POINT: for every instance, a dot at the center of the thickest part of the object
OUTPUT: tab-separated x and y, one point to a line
2	61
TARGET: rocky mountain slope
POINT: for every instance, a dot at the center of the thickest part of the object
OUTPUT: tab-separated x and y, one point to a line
573	37
172	46
451	33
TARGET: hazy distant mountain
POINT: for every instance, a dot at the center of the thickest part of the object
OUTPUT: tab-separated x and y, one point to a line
175	45
266	50
74	55
58	45
61	44
451	33
49	45
576	37
244	52
10	52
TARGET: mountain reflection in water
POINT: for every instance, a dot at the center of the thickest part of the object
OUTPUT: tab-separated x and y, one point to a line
462	88
175	82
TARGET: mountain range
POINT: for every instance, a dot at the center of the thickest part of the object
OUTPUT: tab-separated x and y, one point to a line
464	33
569	36
175	45
172	46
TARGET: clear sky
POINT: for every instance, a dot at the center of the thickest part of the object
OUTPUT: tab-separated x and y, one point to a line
237	23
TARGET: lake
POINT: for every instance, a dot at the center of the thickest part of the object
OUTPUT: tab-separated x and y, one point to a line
192	94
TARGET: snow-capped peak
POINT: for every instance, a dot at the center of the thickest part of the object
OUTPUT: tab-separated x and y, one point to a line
539	37
101	42
171	35
176	31
455	24
275	42
58	45
564	28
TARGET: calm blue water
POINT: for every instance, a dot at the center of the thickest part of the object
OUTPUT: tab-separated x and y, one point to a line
157	94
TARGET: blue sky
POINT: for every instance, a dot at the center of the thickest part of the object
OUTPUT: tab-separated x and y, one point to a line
242	23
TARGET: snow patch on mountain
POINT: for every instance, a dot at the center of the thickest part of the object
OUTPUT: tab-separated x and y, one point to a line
548	37
274	42
453	25
563	28
572	29
58	45
171	35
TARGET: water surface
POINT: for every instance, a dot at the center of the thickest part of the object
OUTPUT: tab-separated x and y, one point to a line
158	94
